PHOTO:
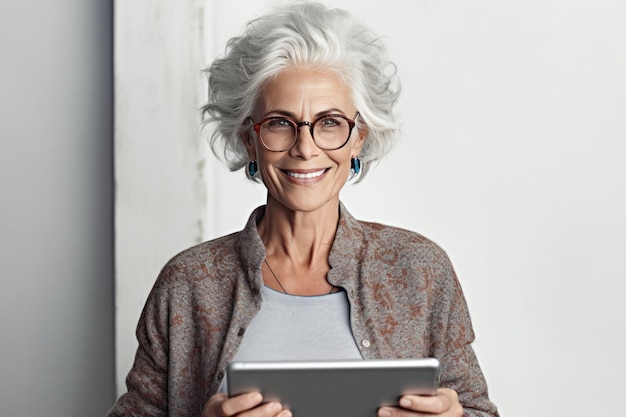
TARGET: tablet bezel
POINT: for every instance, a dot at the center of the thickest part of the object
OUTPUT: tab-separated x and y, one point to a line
335	388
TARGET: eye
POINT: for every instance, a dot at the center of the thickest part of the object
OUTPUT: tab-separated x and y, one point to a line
279	123
330	122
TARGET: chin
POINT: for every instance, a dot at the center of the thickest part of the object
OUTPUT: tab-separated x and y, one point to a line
309	204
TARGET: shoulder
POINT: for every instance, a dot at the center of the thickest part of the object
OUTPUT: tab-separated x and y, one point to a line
214	266
218	250
198	279
202	263
232	250
402	243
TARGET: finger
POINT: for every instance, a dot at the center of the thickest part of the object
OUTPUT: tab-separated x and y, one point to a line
446	401
225	407
271	409
213	404
400	412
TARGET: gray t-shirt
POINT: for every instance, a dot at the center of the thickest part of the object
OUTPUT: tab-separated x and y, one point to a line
291	327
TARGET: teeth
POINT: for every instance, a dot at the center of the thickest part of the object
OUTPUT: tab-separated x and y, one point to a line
307	175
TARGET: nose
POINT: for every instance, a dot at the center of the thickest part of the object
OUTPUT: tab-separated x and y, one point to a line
305	146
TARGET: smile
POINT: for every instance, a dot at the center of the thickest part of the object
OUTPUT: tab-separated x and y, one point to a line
303	175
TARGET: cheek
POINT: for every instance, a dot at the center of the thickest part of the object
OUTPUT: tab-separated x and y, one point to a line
346	156
267	163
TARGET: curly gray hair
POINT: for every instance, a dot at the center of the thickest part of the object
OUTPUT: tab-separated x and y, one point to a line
301	34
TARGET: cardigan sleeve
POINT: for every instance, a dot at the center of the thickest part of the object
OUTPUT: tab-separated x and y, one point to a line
460	369
147	381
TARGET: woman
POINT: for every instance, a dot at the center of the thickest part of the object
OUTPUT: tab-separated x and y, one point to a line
303	101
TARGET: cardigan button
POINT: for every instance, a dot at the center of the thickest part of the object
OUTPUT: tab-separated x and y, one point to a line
220	376
241	331
365	343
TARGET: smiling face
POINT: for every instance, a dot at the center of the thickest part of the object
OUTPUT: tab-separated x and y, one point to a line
305	177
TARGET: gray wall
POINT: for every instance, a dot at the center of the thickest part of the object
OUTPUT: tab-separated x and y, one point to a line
56	208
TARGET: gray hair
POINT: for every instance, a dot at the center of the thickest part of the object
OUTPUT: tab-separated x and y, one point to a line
301	34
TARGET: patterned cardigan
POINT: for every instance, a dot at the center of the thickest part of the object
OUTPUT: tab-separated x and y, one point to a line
405	302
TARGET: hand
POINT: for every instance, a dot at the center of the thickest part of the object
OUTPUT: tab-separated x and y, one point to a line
249	404
444	404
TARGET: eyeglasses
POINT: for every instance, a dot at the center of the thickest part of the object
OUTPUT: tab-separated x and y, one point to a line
280	133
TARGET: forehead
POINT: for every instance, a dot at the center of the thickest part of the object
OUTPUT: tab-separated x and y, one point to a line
298	90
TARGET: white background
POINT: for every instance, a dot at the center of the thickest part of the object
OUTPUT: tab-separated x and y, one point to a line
512	158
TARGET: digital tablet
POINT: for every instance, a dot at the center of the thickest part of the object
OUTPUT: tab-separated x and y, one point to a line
353	388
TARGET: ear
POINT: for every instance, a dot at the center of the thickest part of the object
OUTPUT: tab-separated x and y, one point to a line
360	141
247	137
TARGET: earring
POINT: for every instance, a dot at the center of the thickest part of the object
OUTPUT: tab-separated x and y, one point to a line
355	166
252	170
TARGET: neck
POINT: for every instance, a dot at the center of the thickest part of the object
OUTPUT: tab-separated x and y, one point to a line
303	237
297	245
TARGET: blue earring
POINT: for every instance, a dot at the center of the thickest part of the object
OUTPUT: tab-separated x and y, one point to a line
253	168
355	166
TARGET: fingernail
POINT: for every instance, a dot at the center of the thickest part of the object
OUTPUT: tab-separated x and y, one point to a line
405	402
384	413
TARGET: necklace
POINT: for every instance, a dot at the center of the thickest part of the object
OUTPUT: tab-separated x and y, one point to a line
281	285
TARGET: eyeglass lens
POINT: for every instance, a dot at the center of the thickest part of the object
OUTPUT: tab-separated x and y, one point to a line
329	132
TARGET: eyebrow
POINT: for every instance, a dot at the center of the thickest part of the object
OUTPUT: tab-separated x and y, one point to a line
316	116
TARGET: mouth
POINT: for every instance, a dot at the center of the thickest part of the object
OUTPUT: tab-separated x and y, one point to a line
306	175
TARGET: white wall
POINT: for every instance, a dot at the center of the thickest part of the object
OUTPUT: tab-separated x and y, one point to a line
160	189
513	158
56	209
